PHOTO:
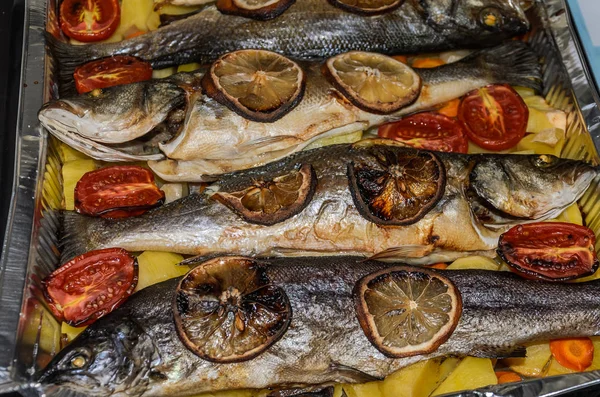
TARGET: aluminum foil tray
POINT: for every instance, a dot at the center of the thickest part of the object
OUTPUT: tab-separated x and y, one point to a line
30	249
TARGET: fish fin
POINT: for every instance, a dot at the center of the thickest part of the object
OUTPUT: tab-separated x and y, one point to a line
512	63
499	351
309	391
345	374
405	251
76	234
195	260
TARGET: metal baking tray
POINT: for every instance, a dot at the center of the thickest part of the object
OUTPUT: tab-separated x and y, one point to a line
30	248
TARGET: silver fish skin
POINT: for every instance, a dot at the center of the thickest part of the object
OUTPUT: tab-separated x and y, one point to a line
483	197
208	139
135	350
312	29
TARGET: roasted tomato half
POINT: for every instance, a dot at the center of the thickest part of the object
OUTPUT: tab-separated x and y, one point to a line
89	20
495	117
552	251
91	285
108	72
117	192
429	131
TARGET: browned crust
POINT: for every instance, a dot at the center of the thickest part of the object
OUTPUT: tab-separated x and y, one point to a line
355	99
364	210
211	89
262	14
249	355
369	328
362	11
307	190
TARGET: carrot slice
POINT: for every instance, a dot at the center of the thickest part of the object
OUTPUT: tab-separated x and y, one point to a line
440	266
401	58
507	377
450	108
426	63
574	353
134	34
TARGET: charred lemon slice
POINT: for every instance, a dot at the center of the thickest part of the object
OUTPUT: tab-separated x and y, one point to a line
367	7
266	202
406	311
256	84
373	82
226	310
396	187
261	10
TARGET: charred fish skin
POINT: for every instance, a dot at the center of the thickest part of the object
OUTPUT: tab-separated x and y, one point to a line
325	342
208	139
330	224
313	29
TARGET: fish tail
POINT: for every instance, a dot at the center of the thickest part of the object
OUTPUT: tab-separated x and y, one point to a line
513	63
80	234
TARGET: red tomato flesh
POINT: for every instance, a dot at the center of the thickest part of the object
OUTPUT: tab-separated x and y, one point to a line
552	251
90	285
117	192
429	131
89	20
108	72
495	117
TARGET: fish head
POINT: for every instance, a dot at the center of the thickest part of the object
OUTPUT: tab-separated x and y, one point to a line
106	360
116	114
497	19
530	187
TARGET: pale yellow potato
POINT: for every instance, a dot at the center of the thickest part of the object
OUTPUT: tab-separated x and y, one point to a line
70	332
474	262
188	67
536	362
471	373
418	380
370	389
67	153
72	172
155	266
571	214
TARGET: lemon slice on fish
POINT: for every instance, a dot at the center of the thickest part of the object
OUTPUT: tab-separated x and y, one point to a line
266	202
394	186
373	82
261	10
256	84
367	7
406	311
226	310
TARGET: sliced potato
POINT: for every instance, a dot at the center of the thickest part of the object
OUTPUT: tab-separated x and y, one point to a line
188	67
418	380
471	373
370	389
336	140
70	332
571	214
474	262
155	266
67	153
535	364
162	73
72	172
529	143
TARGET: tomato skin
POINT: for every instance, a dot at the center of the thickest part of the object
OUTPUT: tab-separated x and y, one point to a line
89	20
117	192
430	131
551	251
495	116
87	287
109	72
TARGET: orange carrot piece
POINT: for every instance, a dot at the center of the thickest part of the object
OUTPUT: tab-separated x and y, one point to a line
426	63
574	353
508	377
401	58
450	108
440	266
135	34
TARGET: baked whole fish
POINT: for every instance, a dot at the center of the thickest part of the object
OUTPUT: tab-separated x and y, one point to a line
136	351
202	138
483	196
312	29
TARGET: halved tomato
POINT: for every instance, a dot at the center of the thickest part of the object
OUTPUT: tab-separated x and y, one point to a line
89	20
430	131
495	116
552	251
117	192
90	285
108	72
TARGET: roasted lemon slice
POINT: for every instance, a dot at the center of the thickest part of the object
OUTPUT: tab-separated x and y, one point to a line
261	10
266	202
396	186
256	84
367	7
406	311
373	82
226	310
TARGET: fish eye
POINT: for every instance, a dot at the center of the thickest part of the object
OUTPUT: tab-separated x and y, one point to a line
544	161
491	18
78	361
